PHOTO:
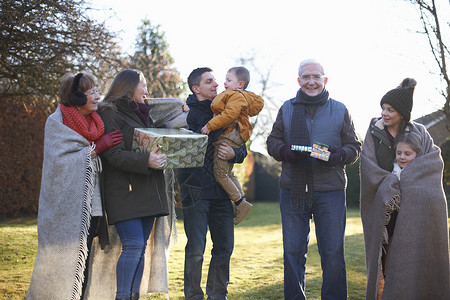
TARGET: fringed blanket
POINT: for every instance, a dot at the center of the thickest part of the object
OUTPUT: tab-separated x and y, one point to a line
417	265
155	278
165	112
64	213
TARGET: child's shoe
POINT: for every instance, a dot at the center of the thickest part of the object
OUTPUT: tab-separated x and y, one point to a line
241	211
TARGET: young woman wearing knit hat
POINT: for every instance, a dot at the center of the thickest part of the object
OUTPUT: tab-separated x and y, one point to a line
404	220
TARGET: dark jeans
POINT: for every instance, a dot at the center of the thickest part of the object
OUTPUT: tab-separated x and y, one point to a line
133	234
198	215
329	211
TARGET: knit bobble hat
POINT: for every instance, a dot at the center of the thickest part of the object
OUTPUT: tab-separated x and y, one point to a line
401	98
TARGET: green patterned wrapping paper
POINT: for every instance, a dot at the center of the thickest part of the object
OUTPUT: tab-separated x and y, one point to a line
184	148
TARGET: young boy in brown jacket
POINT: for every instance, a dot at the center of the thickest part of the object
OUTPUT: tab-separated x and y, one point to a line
233	107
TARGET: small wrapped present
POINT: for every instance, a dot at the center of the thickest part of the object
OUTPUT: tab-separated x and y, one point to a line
183	148
301	148
318	150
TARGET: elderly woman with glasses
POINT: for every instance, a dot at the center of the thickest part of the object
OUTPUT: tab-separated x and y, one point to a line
70	212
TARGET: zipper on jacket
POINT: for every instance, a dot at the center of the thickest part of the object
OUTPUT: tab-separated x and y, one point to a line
130	186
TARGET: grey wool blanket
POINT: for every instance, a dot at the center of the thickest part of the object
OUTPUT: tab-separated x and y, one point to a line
155	278
64	213
417	265
168	113
64	218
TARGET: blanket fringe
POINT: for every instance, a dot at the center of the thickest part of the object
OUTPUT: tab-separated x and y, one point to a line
170	192
91	168
391	205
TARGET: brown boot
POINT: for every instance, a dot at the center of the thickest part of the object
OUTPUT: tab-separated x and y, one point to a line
241	211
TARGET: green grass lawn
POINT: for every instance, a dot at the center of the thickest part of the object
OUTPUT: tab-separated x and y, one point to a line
256	264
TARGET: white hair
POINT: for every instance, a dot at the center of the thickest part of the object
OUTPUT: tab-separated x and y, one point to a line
309	61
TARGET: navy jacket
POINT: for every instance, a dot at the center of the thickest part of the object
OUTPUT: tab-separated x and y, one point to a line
199	183
331	125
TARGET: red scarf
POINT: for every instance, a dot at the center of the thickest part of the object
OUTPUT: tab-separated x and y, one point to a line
90	127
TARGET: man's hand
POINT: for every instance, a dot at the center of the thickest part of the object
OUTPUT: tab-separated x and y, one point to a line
225	152
337	156
286	154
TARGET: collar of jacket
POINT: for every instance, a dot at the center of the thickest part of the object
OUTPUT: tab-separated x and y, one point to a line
377	130
193	101
379	124
124	107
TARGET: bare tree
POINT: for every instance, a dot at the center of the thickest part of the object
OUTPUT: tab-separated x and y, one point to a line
430	17
42	40
261	78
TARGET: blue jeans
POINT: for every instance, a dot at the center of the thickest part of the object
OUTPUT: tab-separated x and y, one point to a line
329	211
133	234
198	215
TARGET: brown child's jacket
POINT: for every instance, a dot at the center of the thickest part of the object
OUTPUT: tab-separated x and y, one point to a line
233	107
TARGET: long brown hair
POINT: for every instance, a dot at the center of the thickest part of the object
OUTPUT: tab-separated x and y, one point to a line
123	86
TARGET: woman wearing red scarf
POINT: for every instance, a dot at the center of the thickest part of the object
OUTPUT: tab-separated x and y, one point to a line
70	212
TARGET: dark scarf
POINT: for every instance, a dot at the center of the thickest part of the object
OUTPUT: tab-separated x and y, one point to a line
199	114
301	171
141	110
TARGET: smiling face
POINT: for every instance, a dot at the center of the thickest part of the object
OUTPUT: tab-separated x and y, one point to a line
140	92
404	154
92	102
391	117
207	88
311	79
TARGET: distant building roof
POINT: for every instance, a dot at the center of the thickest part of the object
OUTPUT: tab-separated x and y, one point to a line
435	123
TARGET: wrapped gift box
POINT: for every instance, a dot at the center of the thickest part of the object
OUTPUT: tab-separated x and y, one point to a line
183	148
318	150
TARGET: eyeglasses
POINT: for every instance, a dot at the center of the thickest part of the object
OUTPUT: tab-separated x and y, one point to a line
315	77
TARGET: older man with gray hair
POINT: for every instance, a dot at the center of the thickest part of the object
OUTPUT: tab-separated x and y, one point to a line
313	187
